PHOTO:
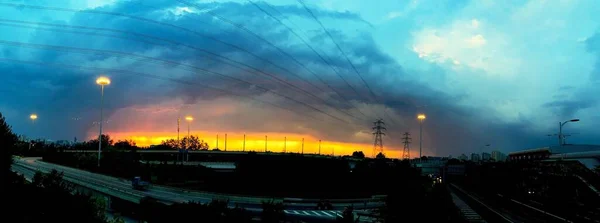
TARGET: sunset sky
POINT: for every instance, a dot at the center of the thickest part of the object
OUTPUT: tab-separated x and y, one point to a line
484	72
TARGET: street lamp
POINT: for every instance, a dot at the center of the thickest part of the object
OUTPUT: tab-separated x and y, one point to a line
189	119
102	81
560	135
421	118
33	117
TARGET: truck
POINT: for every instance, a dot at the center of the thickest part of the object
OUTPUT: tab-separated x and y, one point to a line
138	184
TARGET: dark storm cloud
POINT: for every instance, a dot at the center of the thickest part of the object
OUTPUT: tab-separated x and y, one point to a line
454	128
584	97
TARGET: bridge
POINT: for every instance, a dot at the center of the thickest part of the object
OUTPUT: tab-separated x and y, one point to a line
588	155
112	187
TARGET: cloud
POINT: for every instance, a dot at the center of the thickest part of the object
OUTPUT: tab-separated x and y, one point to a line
187	62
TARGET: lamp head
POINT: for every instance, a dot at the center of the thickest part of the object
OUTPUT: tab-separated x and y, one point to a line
103	81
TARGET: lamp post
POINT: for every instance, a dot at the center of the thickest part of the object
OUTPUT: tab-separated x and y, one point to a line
102	81
33	117
560	135
284	144
421	118
189	120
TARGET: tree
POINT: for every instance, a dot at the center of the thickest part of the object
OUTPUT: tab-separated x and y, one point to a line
358	154
106	141
7	142
380	156
272	212
347	216
125	145
192	143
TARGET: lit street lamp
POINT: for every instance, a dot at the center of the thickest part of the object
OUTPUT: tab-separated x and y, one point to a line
560	135
102	81
421	118
189	119
33	117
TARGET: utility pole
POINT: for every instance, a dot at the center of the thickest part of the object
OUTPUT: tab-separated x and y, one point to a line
284	144
302	145
406	140
244	145
265	144
217	141
178	142
225	141
378	132
319	147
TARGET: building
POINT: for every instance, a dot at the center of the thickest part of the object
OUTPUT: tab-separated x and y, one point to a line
486	156
475	157
498	156
463	157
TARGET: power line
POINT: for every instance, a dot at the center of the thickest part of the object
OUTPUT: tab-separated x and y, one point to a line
312	49
124	54
274	46
344	54
151	37
67	66
70	49
167	25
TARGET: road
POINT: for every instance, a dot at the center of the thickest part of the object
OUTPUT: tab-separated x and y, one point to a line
122	188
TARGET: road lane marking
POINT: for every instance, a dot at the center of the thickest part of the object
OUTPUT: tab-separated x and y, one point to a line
325	212
306	213
316	213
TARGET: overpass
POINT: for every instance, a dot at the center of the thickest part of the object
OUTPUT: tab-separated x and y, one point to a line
112	187
588	155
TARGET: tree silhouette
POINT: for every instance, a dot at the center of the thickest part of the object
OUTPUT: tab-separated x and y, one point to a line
7	142
125	145
272	212
358	154
192	143
380	155
106	142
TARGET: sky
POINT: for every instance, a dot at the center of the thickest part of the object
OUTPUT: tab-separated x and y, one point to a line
484	72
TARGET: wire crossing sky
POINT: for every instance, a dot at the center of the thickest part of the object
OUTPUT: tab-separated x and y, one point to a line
484	72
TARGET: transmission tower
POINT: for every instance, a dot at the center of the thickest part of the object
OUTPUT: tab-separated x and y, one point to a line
378	132
406	140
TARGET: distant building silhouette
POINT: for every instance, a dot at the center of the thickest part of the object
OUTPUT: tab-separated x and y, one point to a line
486	156
475	157
498	156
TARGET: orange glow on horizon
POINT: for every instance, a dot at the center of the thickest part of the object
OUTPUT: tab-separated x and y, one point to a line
256	142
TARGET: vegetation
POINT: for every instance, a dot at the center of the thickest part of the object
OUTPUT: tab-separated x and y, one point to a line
47	199
191	143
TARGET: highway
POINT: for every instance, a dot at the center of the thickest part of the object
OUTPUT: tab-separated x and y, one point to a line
122	188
